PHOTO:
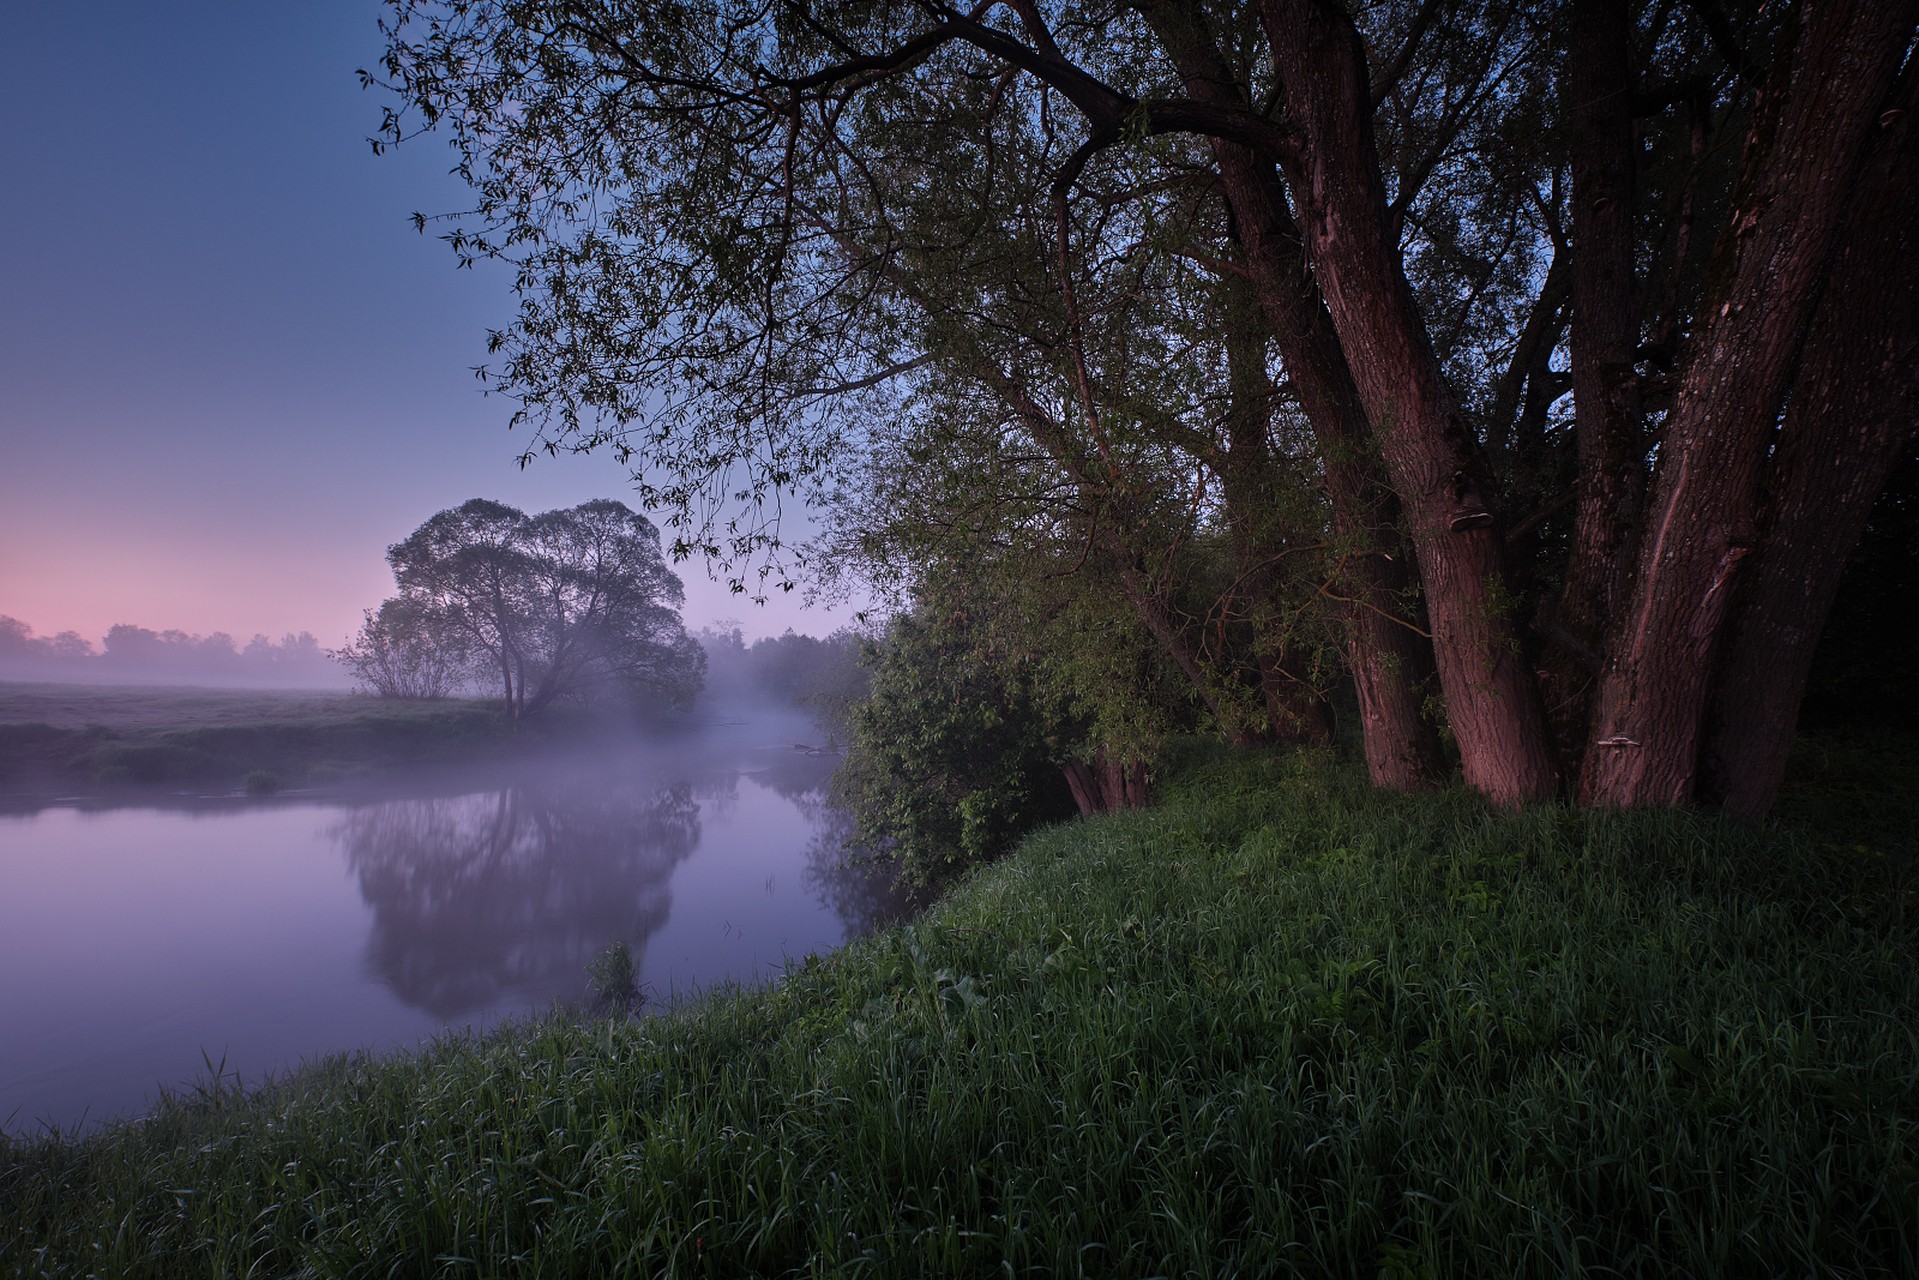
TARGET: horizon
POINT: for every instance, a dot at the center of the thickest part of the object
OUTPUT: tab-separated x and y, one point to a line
235	372
718	627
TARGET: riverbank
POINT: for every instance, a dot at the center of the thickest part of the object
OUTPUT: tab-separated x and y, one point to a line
110	741
1278	1024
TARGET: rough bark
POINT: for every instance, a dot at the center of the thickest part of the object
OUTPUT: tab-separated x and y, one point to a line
1852	414
1605	331
1429	451
1103	785
1829	82
1391	662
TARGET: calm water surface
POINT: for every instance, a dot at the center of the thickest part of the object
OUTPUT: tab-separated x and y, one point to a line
139	945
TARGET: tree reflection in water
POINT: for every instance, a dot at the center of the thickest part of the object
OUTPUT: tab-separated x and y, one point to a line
860	889
514	891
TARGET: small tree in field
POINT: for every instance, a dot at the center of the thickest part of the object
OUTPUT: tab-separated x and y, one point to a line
402	653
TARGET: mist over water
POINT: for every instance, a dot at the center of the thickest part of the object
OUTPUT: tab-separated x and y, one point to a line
140	944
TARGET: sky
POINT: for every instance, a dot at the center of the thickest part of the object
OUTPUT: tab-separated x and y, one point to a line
231	371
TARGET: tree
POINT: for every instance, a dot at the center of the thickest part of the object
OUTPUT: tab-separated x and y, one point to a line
831	285
18	644
566	604
1823	190
736	230
403	652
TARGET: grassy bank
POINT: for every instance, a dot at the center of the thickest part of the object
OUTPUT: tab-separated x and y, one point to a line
1279	1025
66	738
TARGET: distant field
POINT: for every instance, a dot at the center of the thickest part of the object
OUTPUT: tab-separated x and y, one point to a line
92	738
130	708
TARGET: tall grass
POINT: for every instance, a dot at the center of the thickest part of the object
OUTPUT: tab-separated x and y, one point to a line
1279	1025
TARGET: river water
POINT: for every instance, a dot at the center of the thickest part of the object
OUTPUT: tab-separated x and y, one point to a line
146	946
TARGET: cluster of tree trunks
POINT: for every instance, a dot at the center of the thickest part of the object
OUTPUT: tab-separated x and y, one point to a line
1701	563
1105	785
1686	616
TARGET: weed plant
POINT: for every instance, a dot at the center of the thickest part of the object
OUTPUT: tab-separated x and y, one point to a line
1280	1025
613	978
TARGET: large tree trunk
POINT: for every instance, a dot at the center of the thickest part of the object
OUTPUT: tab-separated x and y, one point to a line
1605	332
1103	785
1430	453
1390	659
1852	414
1830	80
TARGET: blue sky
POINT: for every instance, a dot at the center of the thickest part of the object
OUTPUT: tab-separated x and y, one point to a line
231	372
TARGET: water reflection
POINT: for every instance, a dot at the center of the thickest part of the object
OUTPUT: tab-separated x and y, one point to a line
140	941
512	892
860	890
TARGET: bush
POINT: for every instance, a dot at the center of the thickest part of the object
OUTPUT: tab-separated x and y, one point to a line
951	758
149	764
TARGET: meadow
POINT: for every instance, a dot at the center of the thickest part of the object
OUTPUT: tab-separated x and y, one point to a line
65	739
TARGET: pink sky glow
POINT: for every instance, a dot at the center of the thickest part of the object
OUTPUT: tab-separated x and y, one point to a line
231	373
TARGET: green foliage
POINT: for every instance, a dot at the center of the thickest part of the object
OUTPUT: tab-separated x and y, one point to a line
954	754
261	782
1282	1025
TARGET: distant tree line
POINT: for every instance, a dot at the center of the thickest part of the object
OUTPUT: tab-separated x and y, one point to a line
130	653
568	605
827	677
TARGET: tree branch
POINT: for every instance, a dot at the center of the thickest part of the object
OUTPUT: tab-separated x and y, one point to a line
1388	79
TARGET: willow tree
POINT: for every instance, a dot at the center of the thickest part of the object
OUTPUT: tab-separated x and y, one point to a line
706	283
783	233
566	604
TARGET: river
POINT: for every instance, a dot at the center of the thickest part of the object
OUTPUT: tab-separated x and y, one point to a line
150	945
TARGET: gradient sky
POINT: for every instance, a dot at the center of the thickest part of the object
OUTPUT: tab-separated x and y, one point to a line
231	372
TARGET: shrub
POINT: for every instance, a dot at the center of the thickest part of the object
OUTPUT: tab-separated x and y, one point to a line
950	760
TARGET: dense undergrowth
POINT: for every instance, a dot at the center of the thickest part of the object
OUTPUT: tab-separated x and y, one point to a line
1278	1025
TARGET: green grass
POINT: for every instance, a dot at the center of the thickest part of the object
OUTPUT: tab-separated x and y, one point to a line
1278	1025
